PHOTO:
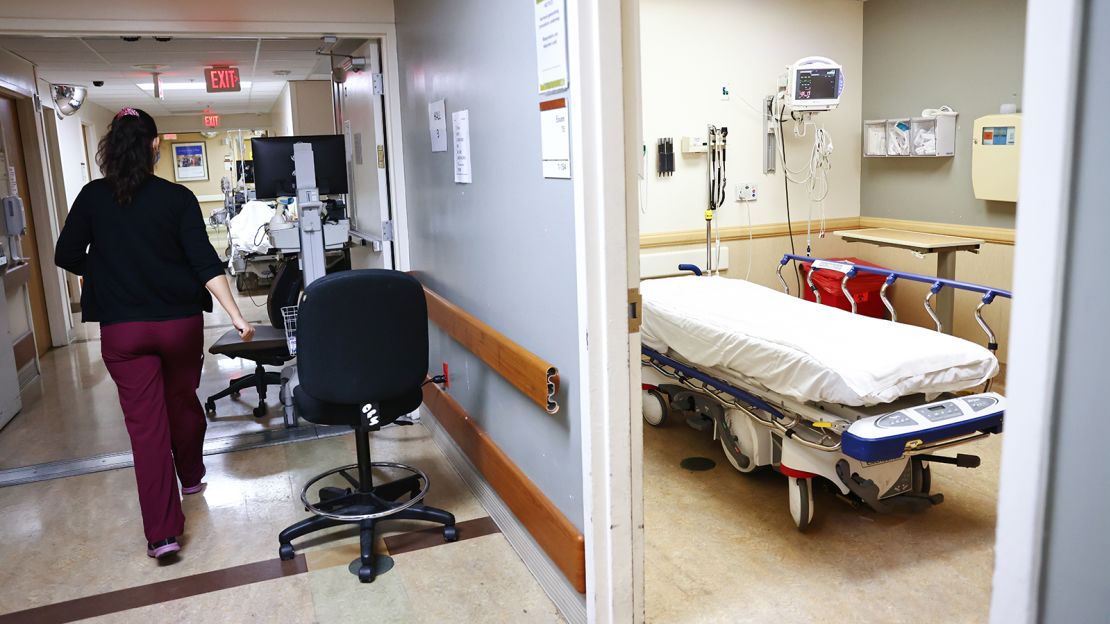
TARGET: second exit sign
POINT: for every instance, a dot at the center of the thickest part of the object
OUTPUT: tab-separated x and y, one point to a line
222	79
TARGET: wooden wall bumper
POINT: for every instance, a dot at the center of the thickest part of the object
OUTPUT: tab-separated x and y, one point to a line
536	378
558	537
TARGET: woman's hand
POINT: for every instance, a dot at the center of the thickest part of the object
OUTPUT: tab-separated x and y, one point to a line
245	329
219	287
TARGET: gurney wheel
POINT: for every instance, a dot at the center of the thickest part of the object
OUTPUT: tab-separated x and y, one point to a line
801	501
656	407
922	476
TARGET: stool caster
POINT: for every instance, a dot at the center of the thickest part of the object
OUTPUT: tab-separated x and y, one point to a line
260	411
450	534
210	409
286	552
235	395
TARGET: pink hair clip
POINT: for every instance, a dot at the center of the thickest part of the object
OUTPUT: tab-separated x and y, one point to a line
127	111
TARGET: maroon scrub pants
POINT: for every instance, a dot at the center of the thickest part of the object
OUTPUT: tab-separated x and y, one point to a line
156	366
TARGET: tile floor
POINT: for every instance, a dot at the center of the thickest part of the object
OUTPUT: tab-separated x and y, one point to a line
80	536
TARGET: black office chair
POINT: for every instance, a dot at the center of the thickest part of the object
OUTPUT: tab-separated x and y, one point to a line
268	348
362	359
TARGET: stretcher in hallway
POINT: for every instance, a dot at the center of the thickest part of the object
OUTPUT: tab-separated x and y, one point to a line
815	391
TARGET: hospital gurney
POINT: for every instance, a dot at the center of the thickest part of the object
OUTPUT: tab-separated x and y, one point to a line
814	391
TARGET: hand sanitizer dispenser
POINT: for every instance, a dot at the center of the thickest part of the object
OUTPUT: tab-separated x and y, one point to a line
995	149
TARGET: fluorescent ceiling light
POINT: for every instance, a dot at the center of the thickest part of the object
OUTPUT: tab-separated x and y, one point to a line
183	86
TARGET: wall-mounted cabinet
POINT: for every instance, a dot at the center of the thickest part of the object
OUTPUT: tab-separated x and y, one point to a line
912	137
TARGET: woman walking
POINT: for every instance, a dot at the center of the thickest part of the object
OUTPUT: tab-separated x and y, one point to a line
140	244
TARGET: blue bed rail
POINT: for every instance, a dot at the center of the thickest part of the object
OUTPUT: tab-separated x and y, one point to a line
937	283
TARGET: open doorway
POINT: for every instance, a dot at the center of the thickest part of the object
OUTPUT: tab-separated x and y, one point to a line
721	123
286	87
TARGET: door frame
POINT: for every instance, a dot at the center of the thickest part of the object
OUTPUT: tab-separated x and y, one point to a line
42	204
1053	50
612	495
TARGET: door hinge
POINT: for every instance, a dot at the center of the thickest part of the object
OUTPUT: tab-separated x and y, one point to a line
38	103
387	231
381	157
379	84
635	310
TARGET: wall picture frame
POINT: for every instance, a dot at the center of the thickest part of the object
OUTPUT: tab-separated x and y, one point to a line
190	162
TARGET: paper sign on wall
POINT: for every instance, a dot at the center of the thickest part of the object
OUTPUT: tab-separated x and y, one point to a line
437	125
460	124
555	135
551	45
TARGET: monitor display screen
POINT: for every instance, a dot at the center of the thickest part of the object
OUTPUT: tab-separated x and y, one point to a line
244	170
817	84
273	164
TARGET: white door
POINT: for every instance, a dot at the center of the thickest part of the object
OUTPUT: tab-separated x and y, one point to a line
362	120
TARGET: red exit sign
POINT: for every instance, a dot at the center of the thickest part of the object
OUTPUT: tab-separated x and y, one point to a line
222	79
211	121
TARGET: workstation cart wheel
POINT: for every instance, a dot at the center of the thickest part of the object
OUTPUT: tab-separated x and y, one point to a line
656	407
801	501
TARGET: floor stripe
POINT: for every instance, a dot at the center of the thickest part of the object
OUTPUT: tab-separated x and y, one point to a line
114	461
155	593
433	536
237	576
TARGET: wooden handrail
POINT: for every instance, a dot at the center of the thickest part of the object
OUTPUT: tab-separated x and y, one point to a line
555	534
536	378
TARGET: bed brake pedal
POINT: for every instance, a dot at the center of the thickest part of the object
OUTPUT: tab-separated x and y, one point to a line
869	493
961	460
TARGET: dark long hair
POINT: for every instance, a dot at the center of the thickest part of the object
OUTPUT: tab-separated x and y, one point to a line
125	154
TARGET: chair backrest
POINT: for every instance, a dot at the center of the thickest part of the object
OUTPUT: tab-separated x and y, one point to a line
362	336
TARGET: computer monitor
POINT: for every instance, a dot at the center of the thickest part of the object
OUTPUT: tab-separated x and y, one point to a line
244	170
273	164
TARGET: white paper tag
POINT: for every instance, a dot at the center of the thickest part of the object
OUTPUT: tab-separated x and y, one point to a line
437	125
460	123
832	266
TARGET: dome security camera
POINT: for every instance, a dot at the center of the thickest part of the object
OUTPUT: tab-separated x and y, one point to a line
98	83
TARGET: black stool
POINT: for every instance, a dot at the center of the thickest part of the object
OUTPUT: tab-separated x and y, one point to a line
362	359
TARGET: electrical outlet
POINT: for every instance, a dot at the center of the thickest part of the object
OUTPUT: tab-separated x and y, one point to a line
746	191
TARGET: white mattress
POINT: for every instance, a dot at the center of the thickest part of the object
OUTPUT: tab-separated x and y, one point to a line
801	349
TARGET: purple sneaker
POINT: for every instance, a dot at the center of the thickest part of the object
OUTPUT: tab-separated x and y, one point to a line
162	548
194	489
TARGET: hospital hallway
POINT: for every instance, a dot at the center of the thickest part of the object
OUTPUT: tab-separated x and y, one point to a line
79	544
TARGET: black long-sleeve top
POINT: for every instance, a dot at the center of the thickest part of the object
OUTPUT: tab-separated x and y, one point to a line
146	261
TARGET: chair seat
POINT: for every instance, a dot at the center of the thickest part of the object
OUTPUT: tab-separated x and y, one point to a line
268	345
323	413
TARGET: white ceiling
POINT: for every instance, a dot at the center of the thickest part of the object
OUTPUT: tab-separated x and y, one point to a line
83	60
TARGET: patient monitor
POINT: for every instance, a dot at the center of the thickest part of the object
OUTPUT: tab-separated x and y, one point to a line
814	83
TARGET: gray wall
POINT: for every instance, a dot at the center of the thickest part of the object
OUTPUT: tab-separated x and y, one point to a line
963	53
502	248
1077	544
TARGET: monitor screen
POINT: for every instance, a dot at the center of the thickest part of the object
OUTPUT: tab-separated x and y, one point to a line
273	164
244	170
817	84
